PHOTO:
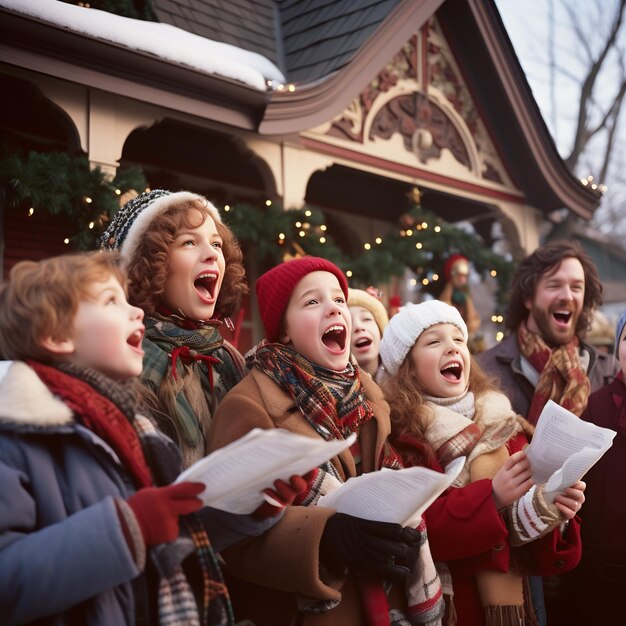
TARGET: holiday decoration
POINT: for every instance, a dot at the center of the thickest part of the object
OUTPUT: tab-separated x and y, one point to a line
60	184
457	292
420	242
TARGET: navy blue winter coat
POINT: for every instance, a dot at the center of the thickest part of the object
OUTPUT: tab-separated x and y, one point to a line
63	555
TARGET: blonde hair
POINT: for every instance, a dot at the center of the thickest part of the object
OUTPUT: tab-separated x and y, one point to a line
41	299
408	410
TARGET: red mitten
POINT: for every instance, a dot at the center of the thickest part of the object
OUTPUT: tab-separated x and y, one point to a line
157	509
285	494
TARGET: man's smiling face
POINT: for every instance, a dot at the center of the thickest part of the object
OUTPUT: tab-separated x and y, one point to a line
558	302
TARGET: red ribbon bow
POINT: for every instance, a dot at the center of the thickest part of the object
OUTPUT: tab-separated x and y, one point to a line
188	356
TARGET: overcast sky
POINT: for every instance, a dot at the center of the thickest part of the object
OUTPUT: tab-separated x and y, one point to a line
527	24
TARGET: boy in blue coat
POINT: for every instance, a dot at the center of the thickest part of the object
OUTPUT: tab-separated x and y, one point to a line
91	530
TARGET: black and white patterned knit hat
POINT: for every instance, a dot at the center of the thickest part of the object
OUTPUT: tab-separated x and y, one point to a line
131	222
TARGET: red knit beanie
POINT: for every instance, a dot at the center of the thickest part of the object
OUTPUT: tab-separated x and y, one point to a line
274	288
451	262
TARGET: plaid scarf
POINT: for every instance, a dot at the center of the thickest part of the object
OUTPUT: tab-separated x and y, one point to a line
107	408
185	356
335	404
562	378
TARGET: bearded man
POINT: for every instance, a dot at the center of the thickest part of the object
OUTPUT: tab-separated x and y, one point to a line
554	293
553	296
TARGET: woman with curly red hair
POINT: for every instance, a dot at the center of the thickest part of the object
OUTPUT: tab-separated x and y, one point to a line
186	272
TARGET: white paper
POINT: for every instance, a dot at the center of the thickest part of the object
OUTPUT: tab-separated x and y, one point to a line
398	496
564	448
235	474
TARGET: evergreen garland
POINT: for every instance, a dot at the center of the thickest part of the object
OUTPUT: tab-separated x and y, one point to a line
60	184
277	233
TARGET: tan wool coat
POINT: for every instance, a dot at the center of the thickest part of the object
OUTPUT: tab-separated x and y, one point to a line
283	564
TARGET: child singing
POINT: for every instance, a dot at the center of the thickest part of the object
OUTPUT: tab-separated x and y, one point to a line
316	566
186	272
444	407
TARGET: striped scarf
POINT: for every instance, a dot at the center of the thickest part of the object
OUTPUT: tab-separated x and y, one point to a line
107	408
562	378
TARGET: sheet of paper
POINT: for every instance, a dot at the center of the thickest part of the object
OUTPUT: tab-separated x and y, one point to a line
235	474
398	496
564	448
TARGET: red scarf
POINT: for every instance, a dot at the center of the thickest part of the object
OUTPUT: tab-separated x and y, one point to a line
561	376
100	415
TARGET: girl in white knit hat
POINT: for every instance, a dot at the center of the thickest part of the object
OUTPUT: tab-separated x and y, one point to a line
493	527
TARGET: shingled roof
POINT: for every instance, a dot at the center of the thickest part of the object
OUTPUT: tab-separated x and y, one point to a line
306	39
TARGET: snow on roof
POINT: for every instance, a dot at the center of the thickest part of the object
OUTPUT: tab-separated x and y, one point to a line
162	40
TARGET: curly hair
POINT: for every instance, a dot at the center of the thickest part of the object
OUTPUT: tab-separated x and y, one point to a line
149	268
41	299
405	395
543	260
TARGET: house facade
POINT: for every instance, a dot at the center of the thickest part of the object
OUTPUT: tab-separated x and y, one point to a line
370	102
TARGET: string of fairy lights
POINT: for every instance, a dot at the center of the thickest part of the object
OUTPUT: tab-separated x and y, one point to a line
55	184
295	231
297	227
100	221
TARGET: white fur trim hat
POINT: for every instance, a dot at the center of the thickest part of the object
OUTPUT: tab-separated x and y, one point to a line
408	324
132	221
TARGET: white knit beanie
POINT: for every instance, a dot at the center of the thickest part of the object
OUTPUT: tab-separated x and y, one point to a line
133	220
408	324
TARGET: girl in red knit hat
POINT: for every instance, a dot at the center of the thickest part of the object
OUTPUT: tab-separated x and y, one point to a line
316	566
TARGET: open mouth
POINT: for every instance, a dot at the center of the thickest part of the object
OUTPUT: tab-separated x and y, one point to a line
562	317
134	341
363	343
452	372
335	338
204	284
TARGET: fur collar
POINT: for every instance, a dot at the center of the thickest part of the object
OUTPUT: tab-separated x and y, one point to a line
26	401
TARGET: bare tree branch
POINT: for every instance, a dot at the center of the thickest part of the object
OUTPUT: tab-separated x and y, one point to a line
583	134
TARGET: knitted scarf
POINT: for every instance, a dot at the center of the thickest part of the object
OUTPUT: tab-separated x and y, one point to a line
335	405
198	367
562	378
482	439
107	408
